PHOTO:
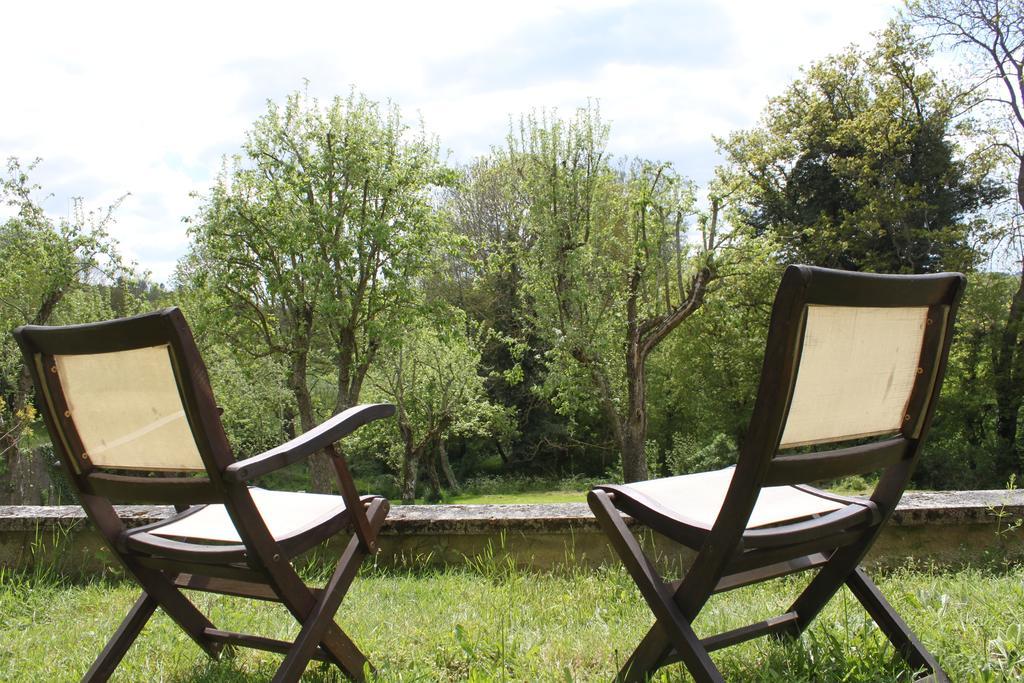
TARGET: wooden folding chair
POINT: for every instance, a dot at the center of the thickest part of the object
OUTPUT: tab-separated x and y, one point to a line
850	357
129	409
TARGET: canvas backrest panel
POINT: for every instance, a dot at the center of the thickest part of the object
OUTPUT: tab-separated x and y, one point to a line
857	369
127	410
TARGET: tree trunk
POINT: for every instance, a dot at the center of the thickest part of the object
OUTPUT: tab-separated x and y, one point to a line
634	432
26	479
435	482
446	467
321	472
634	462
410	468
502	453
29	478
288	422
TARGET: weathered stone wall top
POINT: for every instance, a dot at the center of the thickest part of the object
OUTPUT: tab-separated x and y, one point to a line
917	508
957	507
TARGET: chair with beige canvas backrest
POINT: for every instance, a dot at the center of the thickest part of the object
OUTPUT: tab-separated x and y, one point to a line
851	375
129	409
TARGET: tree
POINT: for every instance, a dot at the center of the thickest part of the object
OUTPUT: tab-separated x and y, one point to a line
964	446
52	273
485	279
251	389
432	377
989	34
704	383
313	239
610	270
855	165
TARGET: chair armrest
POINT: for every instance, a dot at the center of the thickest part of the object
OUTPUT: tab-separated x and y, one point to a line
324	434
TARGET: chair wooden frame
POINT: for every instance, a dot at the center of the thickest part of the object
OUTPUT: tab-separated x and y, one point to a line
258	567
731	555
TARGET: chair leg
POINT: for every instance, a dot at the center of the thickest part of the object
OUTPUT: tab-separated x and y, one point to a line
318	626
893	626
821	589
648	656
842	568
673	627
122	639
178	607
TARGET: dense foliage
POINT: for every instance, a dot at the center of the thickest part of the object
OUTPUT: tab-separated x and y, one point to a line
310	244
855	166
552	310
53	273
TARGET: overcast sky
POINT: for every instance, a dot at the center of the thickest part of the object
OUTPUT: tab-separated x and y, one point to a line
144	99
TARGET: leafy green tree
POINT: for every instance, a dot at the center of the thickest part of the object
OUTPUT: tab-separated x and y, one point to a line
686	457
703	383
855	165
488	209
988	37
313	239
250	384
432	377
964	446
53	272
609	269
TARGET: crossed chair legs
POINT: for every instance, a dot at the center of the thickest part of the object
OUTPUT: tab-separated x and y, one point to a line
669	640
672	638
319	637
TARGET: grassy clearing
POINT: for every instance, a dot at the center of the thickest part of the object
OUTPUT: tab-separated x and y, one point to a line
522	497
495	490
503	490
568	496
493	623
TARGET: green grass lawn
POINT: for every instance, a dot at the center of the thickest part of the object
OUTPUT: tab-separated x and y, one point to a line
498	624
569	496
520	498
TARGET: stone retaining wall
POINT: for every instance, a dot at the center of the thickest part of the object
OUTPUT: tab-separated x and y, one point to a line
946	528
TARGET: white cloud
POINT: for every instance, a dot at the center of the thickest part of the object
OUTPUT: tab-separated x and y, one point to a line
141	98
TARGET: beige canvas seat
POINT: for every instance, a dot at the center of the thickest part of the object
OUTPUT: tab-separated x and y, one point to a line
852	371
130	411
694	500
285	513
